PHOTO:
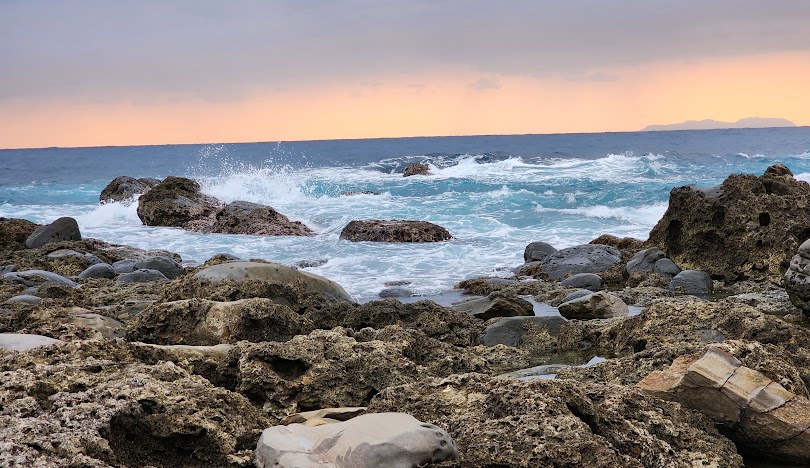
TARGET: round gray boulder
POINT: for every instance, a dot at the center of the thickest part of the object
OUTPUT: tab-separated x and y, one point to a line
38	277
99	270
692	282
124	266
666	267
63	229
165	265
587	258
141	276
589	281
538	251
509	331
643	261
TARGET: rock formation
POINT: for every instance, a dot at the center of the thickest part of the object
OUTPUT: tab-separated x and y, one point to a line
394	231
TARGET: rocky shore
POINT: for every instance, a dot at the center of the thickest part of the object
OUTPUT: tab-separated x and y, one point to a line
116	356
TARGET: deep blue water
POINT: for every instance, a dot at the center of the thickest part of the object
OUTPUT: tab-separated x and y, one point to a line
494	193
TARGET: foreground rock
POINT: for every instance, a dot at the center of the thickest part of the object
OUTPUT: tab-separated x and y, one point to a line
90	403
746	228
394	231
241	217
504	422
588	258
123	188
496	305
599	305
416	169
307	283
178	202
392	440
63	229
763	417
692	282
14	232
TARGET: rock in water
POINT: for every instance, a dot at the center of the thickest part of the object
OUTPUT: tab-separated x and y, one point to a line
416	169
746	228
537	251
178	202
63	229
311	284
14	232
124	187
588	258
391	440
241	217
394	231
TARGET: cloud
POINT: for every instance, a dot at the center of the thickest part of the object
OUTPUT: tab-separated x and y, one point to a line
487	83
97	50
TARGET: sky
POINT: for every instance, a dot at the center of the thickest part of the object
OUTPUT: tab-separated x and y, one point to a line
100	72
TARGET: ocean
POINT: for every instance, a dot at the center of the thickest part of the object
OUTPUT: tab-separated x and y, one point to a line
495	194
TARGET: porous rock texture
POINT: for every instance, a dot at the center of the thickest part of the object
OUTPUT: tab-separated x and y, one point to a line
90	403
797	278
63	229
416	169
123	188
178	202
241	217
14	232
748	227
563	423
394	231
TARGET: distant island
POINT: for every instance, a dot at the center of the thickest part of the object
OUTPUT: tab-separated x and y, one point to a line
709	124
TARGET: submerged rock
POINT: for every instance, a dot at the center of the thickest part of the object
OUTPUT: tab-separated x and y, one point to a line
63	229
394	231
746	228
394	440
416	169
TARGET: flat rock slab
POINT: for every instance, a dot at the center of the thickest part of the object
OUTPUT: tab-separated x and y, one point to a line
394	231
241	271
391	440
24	342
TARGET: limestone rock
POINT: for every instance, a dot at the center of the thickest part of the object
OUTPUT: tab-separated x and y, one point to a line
394	440
692	282
589	281
597	305
765	419
336	414
537	251
203	322
124	188
746	228
588	258
797	278
63	229
504	422
416	169
394	231
24	342
14	232
109	327
496	305
170	268
241	217
310	283
178	202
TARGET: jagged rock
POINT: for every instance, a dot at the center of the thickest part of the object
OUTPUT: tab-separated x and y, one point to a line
99	270
588	258
394	231
416	169
589	281
178	202
38	277
165	265
496	305
124	187
203	322
597	305
546	371
692	282
764	418
23	342
394	440
504	422
241	217
309	263
746	228
63	229
623	244
309	283
91	403
141	276
512	331
14	232
537	251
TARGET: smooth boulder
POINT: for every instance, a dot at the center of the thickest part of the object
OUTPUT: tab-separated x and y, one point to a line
38	277
24	342
99	270
274	272
692	282
241	217
63	229
391	440
599	305
510	331
165	265
394	231
537	251
589	281
587	258
496	305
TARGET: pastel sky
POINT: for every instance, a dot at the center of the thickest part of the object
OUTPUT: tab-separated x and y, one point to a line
101	72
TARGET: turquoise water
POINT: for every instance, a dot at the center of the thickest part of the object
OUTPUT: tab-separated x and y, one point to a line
494	194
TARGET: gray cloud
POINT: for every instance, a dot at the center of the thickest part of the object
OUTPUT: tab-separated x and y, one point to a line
153	49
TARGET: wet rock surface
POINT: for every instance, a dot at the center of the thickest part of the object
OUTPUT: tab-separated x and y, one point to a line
416	169
600	305
394	231
124	188
63	229
241	217
537	251
178	202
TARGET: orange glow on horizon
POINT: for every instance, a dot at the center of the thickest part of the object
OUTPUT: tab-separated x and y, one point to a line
627	99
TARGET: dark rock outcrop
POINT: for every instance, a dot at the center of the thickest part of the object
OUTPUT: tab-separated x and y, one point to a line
14	232
496	305
241	217
416	169
394	231
692	282
178	202
537	251
124	187
746	228
588	258
63	229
